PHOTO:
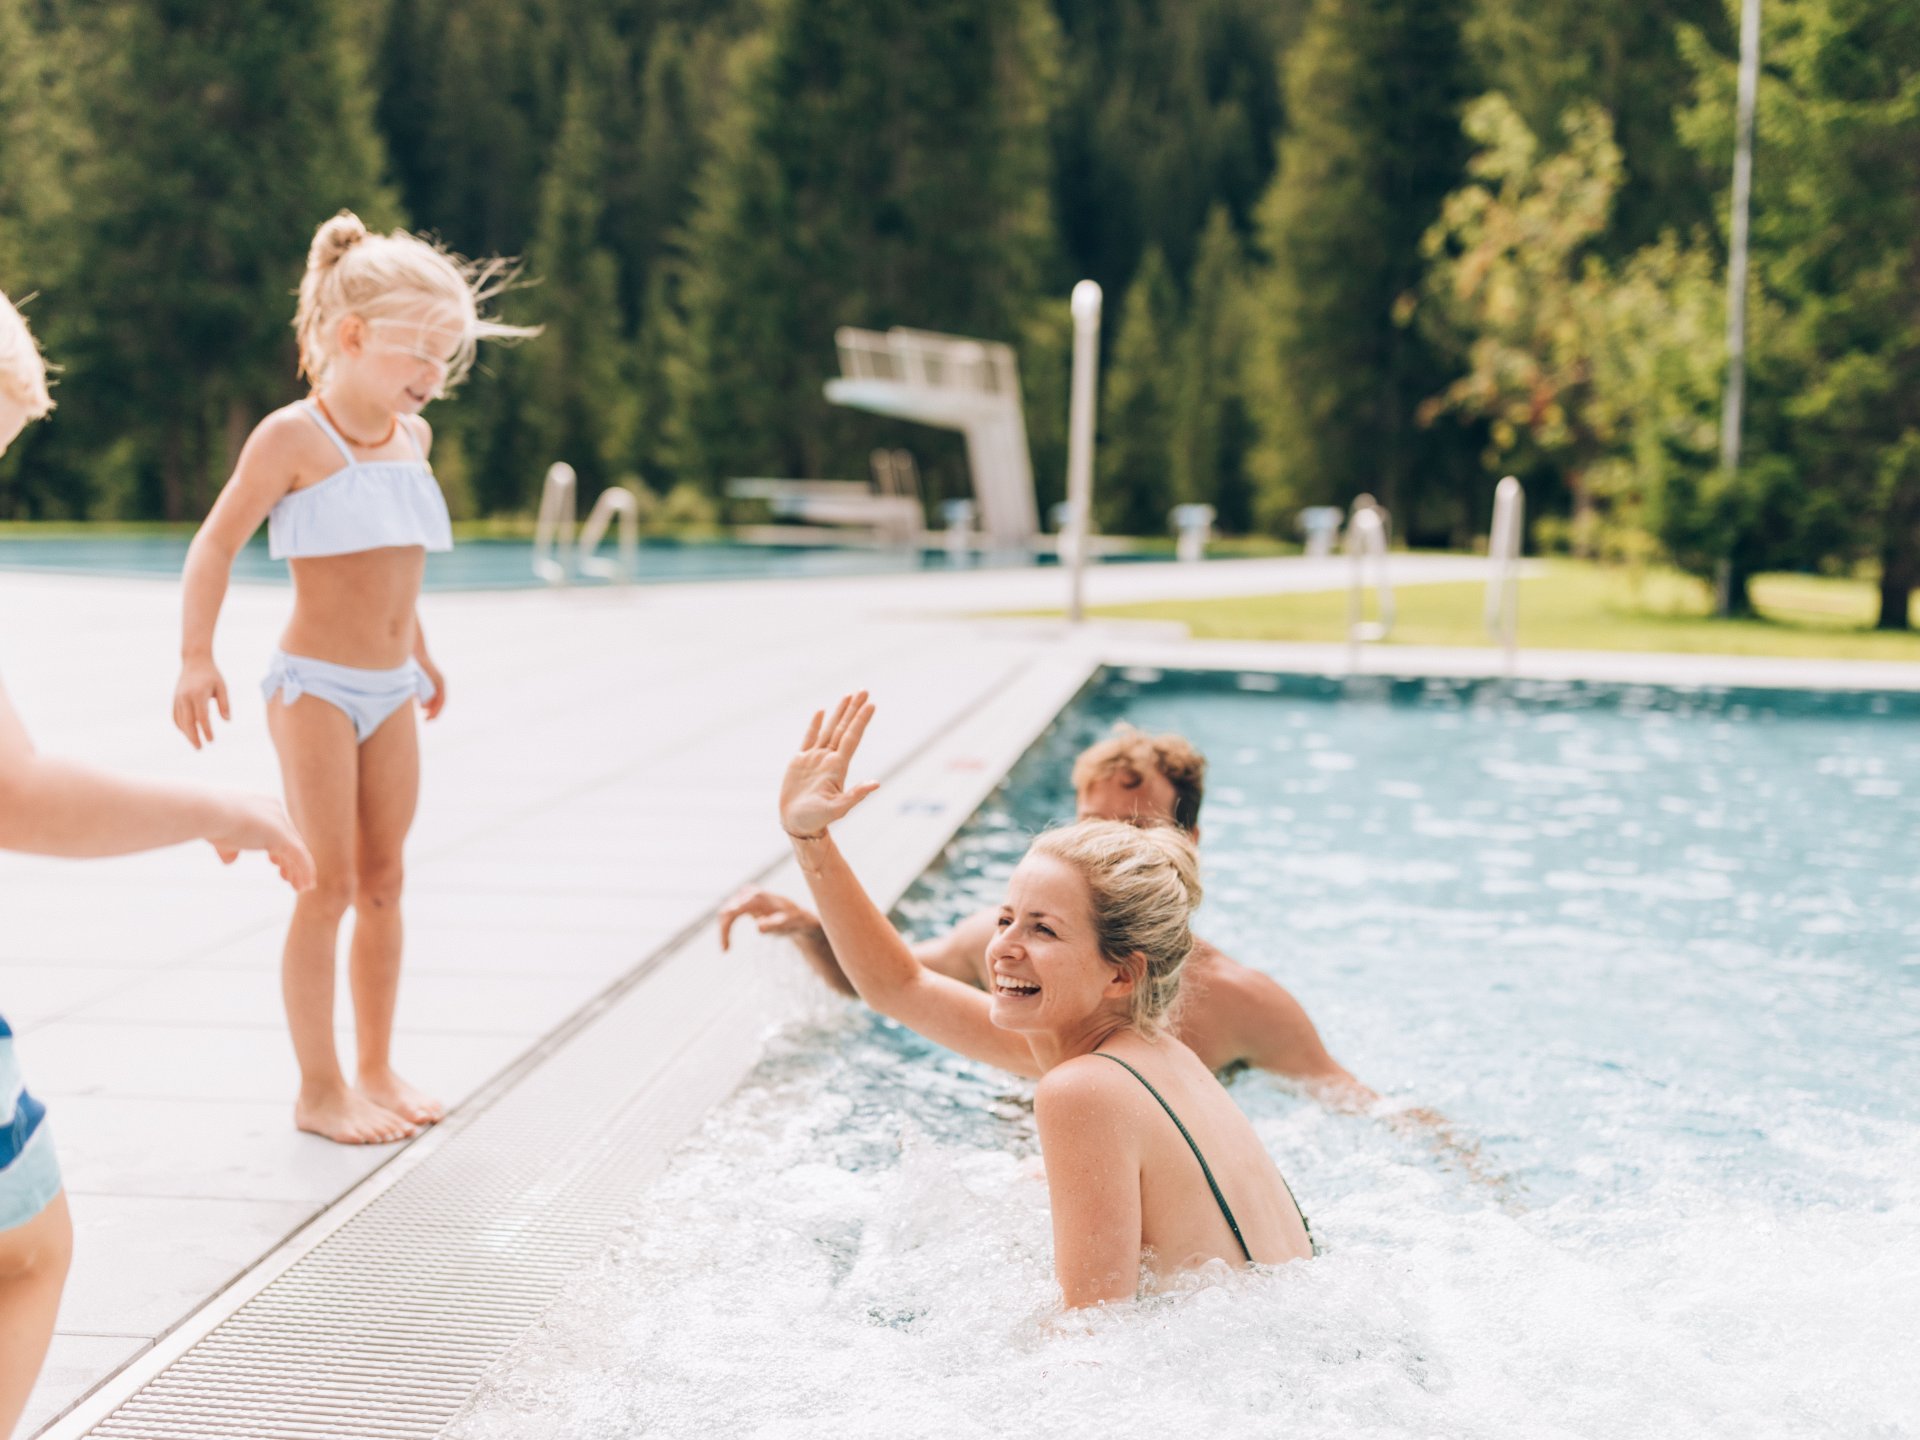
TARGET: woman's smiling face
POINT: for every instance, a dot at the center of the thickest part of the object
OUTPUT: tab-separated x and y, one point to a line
1044	963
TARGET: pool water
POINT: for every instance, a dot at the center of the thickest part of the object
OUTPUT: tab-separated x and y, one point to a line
1658	953
503	564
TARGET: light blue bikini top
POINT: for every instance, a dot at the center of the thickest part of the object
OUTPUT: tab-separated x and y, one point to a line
366	505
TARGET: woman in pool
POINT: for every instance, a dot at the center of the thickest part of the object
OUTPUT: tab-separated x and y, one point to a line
386	324
1148	1159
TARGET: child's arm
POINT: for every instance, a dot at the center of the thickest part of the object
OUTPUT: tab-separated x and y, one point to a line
267	470
55	807
432	707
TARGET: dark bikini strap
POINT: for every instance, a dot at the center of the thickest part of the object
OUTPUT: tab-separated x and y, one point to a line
1205	1170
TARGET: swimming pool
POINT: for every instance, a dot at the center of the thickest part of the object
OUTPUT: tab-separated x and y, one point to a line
504	564
1659	952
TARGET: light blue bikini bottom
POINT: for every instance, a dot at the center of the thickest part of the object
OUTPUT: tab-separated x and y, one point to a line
367	697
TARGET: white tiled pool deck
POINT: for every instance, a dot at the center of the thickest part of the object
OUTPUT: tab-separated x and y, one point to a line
601	780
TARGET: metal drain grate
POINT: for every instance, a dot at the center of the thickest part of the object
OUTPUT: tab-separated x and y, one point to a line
382	1330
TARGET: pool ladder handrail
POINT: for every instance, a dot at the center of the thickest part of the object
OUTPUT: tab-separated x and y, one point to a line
553	530
1502	613
1366	541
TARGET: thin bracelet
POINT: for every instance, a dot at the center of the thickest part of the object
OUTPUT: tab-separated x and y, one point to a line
795	834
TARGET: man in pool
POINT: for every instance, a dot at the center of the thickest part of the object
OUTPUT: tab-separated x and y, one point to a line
1230	1015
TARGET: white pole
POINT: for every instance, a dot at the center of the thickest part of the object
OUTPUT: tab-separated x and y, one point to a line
1086	371
1503	566
1730	412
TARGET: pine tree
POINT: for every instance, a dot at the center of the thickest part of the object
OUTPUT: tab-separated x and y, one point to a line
470	93
1210	423
39	143
886	164
222	134
1374	90
1135	487
577	376
1166	109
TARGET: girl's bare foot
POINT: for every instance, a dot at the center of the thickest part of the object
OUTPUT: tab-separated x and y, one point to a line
387	1090
349	1118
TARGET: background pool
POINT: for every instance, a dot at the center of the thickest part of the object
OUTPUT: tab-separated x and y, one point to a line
1659	953
503	564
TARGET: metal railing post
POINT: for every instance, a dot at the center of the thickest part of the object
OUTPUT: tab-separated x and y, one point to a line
1086	369
1503	560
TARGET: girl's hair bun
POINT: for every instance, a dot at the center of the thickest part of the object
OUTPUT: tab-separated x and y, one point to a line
334	239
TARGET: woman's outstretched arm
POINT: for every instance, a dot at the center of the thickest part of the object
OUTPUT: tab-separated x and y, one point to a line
871	953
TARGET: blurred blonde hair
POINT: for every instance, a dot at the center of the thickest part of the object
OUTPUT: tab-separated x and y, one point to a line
1132	751
1145	886
393	277
23	374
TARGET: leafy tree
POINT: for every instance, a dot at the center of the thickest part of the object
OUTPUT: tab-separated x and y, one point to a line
1515	278
1836	209
1374	91
1548	56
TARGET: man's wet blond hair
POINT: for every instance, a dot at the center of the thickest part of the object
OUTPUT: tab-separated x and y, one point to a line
23	374
351	271
1128	751
1144	886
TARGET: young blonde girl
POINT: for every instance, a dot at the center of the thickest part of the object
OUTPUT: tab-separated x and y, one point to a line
386	324
50	806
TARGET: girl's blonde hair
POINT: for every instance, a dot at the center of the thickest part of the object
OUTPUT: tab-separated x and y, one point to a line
385	277
23	374
1145	886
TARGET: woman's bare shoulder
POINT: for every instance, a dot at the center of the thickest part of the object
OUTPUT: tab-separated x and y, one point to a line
1084	1085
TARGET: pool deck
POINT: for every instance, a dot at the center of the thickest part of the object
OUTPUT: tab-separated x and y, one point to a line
601	781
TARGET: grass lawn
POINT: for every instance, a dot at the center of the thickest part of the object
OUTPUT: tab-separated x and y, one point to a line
1577	606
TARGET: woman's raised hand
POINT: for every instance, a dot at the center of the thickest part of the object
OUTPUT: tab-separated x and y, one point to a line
815	792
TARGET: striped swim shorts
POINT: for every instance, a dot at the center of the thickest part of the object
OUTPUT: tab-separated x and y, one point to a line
29	1173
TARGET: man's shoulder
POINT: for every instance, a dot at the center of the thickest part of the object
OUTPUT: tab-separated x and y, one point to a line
1217	968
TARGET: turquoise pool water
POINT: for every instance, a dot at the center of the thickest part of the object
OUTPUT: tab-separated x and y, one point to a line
496	564
1658	953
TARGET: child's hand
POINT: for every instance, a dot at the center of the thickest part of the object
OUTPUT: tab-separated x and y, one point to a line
815	792
431	708
255	822
199	688
774	914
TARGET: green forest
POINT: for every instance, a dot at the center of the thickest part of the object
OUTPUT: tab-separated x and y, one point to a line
1393	246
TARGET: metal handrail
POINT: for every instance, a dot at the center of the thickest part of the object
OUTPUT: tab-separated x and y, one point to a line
553	530
1503	559
620	501
1366	540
